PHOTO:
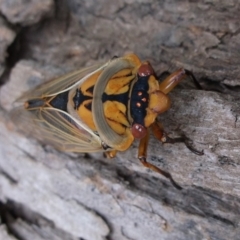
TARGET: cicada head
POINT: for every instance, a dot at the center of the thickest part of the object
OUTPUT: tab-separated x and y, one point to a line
147	101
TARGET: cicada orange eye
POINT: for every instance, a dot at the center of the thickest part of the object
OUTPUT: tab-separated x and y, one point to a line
145	70
138	131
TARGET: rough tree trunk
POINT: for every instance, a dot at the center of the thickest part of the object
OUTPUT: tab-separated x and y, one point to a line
46	194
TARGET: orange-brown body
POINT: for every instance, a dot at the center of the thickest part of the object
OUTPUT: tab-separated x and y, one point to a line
102	108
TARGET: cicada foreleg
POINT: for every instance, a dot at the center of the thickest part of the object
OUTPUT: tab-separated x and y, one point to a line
175	78
164	138
166	86
142	155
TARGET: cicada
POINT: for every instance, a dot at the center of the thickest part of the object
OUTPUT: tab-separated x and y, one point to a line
102	108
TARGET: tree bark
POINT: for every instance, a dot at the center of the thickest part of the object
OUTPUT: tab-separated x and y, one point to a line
46	194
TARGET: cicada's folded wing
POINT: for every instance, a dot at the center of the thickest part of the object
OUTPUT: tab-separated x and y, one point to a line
57	128
62	83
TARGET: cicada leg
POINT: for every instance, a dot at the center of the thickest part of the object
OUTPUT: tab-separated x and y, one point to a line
175	78
166	86
111	154
164	138
142	154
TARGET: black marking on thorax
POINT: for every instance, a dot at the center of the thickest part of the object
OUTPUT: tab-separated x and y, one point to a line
122	98
60	101
139	100
79	98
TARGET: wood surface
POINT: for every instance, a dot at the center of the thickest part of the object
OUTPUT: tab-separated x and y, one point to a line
46	194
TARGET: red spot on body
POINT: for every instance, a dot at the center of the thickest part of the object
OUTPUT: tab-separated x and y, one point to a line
138	131
145	70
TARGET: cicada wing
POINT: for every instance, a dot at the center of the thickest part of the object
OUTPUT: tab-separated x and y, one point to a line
62	83
57	128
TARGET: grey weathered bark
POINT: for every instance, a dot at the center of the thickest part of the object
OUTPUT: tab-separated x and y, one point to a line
46	194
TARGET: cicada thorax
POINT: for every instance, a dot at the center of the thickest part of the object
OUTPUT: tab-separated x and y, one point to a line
119	102
114	101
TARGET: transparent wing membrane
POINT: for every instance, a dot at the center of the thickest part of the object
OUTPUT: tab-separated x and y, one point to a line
57	128
60	84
